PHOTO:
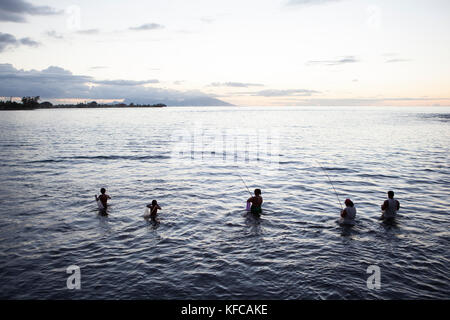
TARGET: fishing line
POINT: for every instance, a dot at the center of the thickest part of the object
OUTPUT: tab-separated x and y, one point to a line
251	195
331	184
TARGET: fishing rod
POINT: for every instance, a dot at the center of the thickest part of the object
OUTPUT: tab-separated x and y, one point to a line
331	184
251	195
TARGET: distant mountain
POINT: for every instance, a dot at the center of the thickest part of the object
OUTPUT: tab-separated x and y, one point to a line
185	102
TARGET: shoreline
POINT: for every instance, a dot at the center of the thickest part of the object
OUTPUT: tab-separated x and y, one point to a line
82	107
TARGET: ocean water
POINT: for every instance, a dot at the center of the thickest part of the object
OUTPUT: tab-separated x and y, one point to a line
205	245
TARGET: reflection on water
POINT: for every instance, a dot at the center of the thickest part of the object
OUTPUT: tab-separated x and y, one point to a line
253	223
204	245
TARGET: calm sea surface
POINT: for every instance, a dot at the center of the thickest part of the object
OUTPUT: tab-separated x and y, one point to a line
206	246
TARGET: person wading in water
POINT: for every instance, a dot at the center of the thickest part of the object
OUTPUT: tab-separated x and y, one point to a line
390	207
256	202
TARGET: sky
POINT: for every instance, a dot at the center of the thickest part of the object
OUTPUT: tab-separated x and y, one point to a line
240	52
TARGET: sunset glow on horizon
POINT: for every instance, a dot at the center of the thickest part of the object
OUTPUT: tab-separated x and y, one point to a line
255	53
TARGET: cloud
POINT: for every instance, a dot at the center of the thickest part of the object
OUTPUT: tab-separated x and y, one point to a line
236	84
124	82
97	67
54	34
15	10
350	102
397	60
393	57
309	2
288	92
147	26
29	42
89	31
58	83
343	60
8	40
11	17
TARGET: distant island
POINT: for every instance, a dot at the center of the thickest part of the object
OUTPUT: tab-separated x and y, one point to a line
31	103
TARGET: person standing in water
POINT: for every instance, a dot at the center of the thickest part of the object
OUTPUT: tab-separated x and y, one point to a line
153	209
103	198
390	206
349	213
256	202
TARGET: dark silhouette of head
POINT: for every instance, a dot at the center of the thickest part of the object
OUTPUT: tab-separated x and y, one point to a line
103	190
391	194
257	192
154	203
349	203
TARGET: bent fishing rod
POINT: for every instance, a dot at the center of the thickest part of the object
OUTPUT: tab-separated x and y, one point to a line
340	204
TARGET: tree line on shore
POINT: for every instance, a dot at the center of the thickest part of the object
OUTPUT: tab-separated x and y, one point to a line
30	103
